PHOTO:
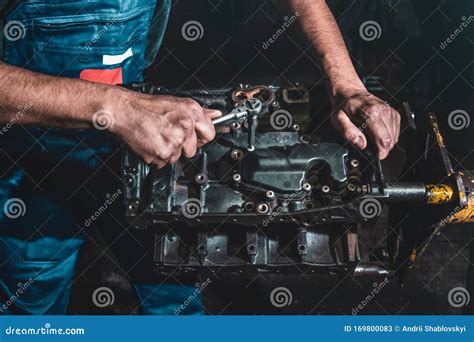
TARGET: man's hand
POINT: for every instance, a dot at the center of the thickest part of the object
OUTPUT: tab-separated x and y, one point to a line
353	105
162	128
158	128
356	113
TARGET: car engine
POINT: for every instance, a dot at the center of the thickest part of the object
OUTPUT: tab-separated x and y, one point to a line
267	195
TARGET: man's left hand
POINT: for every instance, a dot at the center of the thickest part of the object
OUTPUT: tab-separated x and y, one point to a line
358	112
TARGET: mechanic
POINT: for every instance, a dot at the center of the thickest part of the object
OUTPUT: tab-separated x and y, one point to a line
61	71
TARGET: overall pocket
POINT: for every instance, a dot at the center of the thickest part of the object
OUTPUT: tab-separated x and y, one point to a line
68	45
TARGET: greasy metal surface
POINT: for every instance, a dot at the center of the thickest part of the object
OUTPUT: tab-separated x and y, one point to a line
465	213
440	140
439	193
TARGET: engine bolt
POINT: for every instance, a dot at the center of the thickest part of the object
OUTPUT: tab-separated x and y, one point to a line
262	208
351	187
275	104
296	127
236	177
200	178
306	187
236	154
235	125
270	194
305	139
325	189
354	163
248	206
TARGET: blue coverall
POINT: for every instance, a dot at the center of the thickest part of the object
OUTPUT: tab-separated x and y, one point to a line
61	175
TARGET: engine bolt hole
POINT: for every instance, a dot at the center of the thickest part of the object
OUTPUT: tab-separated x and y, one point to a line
306	187
237	154
354	163
270	194
248	206
325	189
262	208
200	178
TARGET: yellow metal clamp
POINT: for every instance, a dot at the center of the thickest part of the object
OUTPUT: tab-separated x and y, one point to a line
439	194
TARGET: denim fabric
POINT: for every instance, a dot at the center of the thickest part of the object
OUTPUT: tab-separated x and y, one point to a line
50	172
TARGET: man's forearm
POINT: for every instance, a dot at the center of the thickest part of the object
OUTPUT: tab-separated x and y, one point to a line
321	29
30	98
352	105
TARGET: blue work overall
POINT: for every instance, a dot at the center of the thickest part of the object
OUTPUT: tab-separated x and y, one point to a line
49	171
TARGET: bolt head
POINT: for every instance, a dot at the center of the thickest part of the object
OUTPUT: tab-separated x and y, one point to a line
270	194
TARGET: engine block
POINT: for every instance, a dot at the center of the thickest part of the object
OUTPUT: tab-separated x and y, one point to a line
266	195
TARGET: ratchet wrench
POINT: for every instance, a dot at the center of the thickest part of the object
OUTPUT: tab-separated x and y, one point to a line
251	107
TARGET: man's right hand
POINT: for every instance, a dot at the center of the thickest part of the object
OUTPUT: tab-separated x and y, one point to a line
158	128
162	128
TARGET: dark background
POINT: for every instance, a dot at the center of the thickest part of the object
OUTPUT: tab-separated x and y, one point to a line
406	63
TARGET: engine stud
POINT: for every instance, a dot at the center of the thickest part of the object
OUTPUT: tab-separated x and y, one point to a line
237	154
354	163
200	178
326	189
235	125
236	177
351	187
262	208
270	194
248	206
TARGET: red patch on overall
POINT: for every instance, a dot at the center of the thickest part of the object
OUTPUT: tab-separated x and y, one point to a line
109	76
